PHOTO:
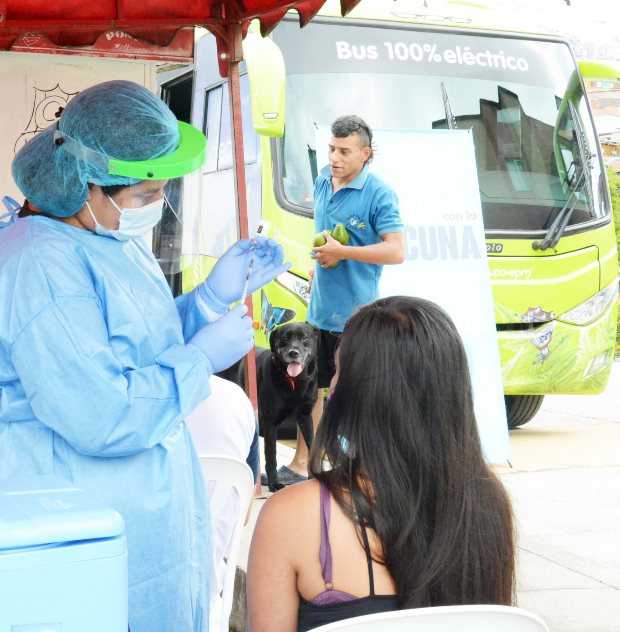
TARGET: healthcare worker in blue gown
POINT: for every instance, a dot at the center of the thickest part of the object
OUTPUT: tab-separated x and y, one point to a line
98	363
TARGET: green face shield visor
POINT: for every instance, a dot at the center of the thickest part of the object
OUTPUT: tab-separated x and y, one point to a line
187	157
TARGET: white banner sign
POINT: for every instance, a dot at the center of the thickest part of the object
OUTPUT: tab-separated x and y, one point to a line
434	175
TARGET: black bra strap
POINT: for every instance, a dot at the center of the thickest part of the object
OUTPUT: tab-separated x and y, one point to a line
371	577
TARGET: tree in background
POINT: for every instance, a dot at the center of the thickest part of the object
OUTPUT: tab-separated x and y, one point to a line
614	190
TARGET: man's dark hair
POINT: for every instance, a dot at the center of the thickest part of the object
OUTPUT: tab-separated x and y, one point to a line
344	126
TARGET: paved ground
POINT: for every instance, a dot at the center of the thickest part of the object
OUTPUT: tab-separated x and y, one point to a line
565	486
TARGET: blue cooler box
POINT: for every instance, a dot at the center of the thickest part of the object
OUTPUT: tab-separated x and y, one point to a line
63	560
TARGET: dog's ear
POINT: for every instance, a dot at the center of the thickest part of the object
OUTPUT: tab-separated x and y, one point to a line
273	339
313	334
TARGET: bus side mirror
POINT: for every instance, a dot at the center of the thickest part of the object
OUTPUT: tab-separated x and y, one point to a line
266	72
598	71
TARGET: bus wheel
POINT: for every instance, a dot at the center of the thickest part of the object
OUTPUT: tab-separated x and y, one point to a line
521	408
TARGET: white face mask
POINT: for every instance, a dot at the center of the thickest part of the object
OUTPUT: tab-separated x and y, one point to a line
133	222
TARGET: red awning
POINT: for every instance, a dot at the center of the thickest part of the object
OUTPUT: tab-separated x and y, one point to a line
156	29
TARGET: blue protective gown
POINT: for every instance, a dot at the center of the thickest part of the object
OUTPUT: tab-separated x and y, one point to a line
95	380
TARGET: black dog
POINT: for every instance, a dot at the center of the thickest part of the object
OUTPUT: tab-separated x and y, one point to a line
287	386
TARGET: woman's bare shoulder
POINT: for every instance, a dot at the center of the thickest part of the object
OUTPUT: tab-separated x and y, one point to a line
292	504
293	495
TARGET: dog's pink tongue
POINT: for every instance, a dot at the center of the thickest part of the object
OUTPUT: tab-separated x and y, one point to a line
294	369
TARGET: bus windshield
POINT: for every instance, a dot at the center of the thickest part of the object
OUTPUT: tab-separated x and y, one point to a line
536	149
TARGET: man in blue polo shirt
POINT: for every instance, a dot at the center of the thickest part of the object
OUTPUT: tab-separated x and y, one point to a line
347	276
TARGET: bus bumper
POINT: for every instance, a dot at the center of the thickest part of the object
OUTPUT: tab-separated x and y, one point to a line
557	357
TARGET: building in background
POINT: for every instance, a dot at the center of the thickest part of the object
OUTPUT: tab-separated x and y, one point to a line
591	26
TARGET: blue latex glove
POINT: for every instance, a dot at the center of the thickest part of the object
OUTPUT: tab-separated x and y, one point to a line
227	339
226	280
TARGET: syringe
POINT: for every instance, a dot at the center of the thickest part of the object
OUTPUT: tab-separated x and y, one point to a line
244	294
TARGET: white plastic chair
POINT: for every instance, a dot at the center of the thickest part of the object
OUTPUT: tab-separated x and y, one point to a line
443	619
230	486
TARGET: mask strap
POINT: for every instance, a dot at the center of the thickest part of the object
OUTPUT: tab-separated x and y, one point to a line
90	210
116	206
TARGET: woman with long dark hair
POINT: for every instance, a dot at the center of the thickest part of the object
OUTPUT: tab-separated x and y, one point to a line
403	512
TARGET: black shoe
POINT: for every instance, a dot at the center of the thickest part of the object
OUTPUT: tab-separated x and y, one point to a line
286	476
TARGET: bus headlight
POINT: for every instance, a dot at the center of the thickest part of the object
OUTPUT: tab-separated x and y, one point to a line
296	284
589	311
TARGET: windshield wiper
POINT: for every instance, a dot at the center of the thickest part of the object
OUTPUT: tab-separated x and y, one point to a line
559	224
585	155
450	118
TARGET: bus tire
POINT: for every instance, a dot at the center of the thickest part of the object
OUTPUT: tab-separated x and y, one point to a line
521	408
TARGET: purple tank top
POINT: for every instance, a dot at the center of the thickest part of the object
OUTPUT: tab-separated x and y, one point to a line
329	595
333	605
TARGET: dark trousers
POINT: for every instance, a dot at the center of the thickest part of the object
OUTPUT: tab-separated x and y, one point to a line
328	343
253	459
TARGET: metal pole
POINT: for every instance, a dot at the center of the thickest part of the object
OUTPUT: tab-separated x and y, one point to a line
234	59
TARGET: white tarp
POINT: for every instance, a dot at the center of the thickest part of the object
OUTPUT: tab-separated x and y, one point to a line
434	175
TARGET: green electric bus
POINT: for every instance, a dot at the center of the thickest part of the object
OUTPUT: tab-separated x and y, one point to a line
543	190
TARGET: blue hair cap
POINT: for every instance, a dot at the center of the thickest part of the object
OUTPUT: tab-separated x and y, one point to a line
115	119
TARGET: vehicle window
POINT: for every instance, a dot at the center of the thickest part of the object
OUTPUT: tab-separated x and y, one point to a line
211	224
250	138
522	99
212	127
